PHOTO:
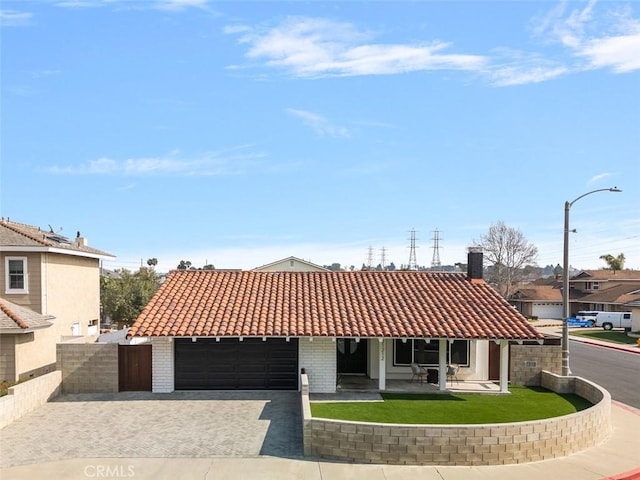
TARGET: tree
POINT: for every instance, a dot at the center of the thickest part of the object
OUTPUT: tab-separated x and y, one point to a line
184	265
614	263
123	295
152	262
208	267
507	251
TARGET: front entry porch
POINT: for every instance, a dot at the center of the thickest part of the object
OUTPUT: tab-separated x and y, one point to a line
351	384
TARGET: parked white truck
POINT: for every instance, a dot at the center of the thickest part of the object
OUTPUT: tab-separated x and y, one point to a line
607	320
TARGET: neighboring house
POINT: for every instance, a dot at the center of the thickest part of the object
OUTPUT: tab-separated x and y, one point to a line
257	330
601	290
542	301
633	306
45	278
291	264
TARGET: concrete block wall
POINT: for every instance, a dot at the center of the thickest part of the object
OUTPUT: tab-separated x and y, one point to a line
464	445
88	367
318	358
27	396
528	361
162	376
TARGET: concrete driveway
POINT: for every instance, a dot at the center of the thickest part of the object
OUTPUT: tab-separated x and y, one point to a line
148	425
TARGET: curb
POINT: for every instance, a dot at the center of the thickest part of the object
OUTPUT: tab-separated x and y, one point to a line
608	345
631	475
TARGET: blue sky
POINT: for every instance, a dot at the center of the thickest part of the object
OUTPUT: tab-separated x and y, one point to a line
239	133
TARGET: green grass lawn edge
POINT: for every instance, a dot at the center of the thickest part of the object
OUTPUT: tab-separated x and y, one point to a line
522	404
606	336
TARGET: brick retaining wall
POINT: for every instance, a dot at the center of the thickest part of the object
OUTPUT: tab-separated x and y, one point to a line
491	444
27	396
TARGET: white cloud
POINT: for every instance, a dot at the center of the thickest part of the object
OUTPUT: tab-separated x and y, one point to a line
610	40
207	164
597	178
320	124
505	76
621	53
12	18
310	47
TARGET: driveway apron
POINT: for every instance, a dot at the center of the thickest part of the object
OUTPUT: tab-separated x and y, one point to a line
147	425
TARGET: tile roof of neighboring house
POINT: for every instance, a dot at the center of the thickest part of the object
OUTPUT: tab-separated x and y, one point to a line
13	234
537	293
335	304
14	316
595	275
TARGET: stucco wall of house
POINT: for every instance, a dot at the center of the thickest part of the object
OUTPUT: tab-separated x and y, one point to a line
318	358
7	358
70	291
162	376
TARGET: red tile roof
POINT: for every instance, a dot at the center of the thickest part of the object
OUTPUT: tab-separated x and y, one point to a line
335	304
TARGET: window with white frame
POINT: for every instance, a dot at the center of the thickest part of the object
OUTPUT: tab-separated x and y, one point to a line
426	353
16	280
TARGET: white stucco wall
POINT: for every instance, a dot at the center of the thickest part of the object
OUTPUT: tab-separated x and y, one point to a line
162	378
318	358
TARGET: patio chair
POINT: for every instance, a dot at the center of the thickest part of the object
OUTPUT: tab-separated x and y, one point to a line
418	371
452	372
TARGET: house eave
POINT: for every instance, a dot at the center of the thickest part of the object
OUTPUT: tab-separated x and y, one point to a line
61	251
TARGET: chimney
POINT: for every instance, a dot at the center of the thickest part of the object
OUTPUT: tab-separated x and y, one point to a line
474	264
81	241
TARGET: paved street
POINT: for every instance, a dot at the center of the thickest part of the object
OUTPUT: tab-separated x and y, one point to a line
181	424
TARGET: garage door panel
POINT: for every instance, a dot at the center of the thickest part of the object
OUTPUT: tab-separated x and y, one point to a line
230	364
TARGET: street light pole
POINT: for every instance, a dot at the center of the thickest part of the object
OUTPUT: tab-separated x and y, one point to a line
565	279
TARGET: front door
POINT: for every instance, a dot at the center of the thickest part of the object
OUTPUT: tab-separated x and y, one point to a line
352	356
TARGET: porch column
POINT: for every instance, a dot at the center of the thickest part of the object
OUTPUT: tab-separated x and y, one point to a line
382	365
504	366
442	364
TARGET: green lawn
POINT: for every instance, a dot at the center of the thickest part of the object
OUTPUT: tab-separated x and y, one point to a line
524	403
614	336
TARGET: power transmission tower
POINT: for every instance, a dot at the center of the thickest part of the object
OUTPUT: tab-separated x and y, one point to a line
413	263
435	261
370	258
383	257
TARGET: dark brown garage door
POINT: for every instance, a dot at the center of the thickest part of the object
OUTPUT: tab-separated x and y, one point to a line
230	364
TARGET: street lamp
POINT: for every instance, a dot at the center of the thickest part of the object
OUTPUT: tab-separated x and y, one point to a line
565	279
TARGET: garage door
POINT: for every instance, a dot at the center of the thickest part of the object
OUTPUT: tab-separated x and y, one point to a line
230	364
547	310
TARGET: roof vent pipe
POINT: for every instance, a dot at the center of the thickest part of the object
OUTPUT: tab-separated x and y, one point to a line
474	263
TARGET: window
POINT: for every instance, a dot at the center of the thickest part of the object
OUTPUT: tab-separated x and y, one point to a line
592	286
426	353
16	275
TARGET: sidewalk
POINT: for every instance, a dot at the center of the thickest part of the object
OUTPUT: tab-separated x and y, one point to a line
618	458
554	328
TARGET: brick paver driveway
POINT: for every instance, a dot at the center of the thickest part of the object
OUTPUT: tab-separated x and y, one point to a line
140	424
